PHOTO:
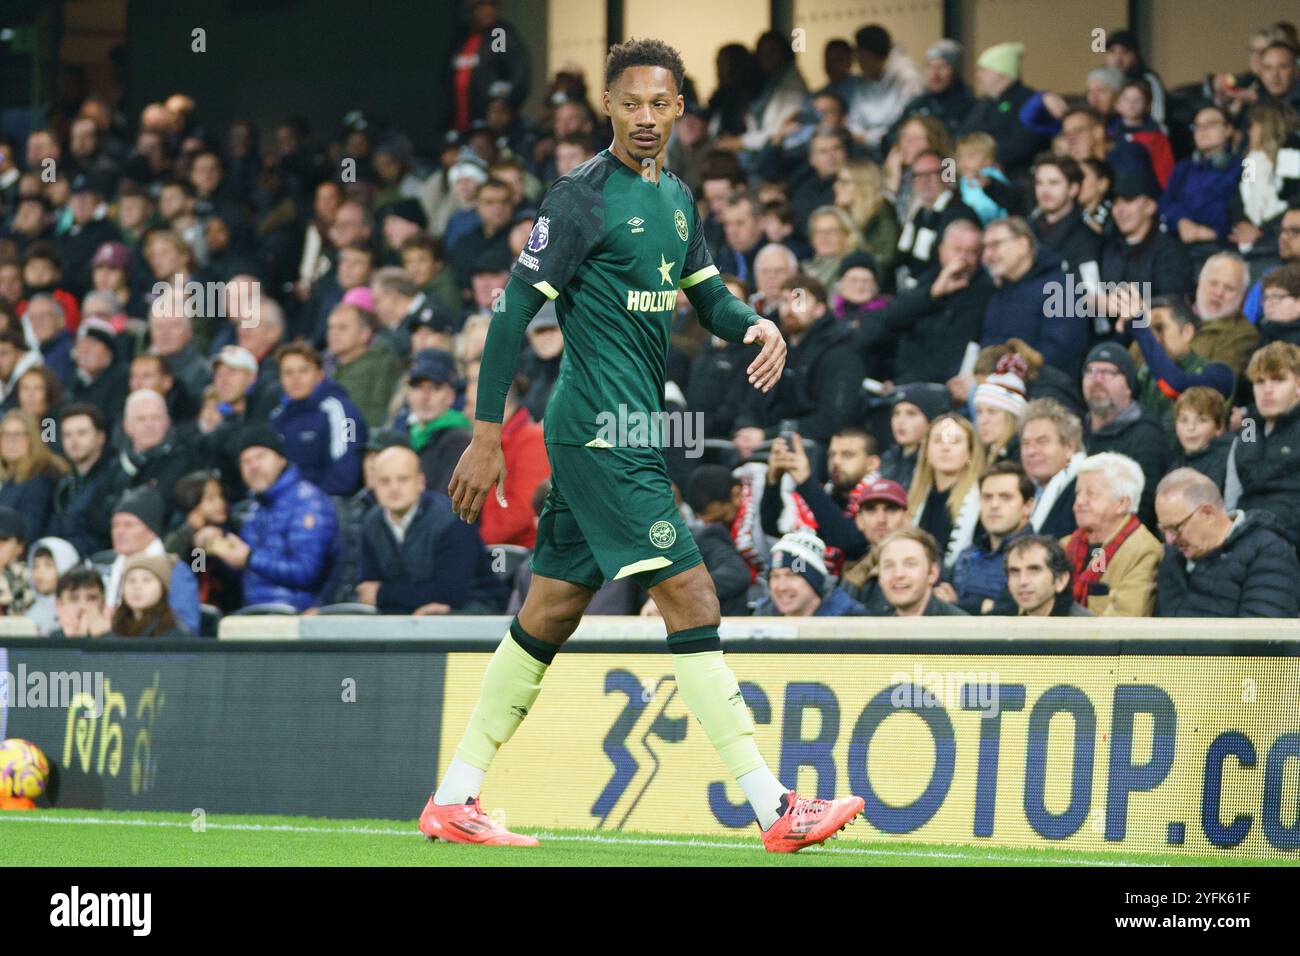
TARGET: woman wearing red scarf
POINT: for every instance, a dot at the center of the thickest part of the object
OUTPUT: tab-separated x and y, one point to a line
1113	556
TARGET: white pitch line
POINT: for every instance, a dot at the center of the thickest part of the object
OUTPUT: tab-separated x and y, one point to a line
570	838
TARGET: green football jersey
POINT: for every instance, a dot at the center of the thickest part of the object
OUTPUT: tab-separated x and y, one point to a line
612	248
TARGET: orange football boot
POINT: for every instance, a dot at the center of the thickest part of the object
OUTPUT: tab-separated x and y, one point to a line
467	823
808	821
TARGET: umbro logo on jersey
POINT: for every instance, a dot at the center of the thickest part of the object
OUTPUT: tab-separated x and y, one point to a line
637	224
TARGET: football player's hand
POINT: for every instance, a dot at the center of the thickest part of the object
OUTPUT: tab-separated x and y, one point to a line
481	466
765	371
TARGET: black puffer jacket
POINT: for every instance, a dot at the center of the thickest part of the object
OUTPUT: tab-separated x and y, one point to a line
1211	461
1268	471
1252	574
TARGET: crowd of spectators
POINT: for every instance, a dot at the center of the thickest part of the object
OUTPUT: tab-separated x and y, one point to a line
1044	347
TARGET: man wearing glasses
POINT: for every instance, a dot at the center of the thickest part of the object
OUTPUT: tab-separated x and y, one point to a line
1288	250
1219	563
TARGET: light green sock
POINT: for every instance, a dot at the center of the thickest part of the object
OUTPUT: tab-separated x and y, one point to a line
713	695
511	683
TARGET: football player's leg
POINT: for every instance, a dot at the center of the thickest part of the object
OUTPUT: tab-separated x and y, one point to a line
689	605
564	579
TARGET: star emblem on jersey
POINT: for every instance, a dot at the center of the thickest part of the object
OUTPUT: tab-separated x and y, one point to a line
679	218
665	270
663	534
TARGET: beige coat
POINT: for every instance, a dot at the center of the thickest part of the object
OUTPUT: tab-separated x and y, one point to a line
1131	577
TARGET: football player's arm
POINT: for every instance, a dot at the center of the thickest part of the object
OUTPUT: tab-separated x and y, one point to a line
514	309
717	309
726	316
720	312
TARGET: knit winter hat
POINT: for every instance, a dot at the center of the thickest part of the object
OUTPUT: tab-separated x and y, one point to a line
146	504
261	435
803	553
1003	58
931	398
1005	389
1117	356
159	565
857	260
947	50
361	297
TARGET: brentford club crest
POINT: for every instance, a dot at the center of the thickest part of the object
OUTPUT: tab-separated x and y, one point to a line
540	235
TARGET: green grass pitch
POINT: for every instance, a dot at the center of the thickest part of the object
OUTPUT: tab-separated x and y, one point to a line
71	837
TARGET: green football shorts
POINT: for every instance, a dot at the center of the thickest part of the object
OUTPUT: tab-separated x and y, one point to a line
610	514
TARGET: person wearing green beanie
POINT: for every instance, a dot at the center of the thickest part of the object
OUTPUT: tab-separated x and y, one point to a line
1001	94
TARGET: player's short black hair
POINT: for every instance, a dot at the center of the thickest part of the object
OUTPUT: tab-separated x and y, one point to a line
643	53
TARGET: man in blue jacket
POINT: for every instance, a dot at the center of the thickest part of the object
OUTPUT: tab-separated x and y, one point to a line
323	429
1033	302
416	557
289	540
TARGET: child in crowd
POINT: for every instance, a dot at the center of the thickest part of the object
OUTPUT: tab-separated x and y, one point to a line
1200	414
977	167
144	611
1133	122
48	559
